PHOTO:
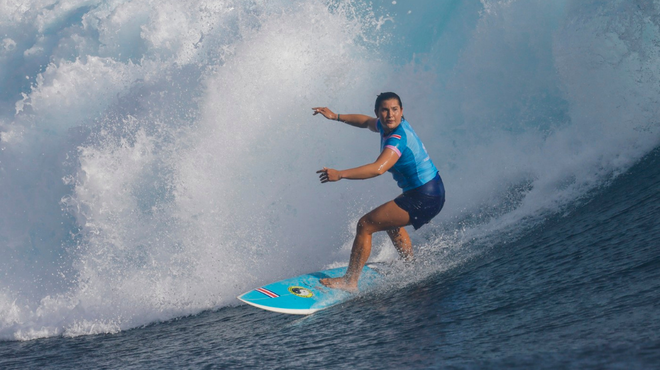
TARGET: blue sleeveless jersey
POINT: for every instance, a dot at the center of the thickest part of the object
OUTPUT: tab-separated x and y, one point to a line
414	167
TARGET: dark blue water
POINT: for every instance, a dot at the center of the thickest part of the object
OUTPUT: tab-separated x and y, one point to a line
581	290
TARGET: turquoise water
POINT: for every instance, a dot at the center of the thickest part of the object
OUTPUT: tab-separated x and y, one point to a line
158	158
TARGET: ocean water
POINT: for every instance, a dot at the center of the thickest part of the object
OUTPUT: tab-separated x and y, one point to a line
158	158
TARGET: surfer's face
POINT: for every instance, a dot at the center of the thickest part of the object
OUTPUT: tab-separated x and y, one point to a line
390	113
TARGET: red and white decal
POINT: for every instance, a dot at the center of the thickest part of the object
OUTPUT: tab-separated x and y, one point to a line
267	292
395	136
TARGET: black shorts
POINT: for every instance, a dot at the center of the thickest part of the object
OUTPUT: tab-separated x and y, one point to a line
424	202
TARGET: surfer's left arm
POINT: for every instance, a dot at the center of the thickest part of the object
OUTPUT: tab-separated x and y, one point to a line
385	161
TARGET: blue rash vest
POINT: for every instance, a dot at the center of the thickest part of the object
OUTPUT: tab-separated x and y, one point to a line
414	167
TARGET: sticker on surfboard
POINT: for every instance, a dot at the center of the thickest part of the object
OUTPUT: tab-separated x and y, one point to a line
300	291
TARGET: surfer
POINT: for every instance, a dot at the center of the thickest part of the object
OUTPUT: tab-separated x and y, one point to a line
402	154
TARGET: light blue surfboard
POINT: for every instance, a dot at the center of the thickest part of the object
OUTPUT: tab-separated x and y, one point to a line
304	294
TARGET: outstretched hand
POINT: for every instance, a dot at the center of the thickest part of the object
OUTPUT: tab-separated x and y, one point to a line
327	113
328	174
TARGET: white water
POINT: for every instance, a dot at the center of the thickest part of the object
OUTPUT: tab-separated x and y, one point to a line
158	158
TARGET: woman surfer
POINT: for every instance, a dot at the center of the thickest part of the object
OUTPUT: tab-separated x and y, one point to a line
404	155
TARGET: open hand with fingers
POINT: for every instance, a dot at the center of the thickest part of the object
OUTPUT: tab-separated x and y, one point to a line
326	112
328	174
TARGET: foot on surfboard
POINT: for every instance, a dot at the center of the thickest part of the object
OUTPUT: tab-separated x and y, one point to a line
339	283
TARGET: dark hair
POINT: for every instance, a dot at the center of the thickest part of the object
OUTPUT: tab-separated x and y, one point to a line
386	96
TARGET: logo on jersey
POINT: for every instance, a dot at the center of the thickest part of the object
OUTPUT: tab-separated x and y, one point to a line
300	291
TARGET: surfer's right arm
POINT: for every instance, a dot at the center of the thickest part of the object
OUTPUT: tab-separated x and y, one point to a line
357	120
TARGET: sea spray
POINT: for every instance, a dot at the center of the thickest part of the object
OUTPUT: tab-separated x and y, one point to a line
180	180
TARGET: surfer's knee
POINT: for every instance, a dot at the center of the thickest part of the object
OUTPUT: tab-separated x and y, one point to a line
366	225
394	233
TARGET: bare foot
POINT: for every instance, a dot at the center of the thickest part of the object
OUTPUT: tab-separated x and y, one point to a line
339	283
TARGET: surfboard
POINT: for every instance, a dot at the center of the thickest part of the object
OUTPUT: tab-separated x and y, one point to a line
304	294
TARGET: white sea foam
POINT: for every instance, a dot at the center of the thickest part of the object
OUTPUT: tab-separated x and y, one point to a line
158	158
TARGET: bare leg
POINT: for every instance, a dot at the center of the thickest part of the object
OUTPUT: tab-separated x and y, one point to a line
402	243
386	217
